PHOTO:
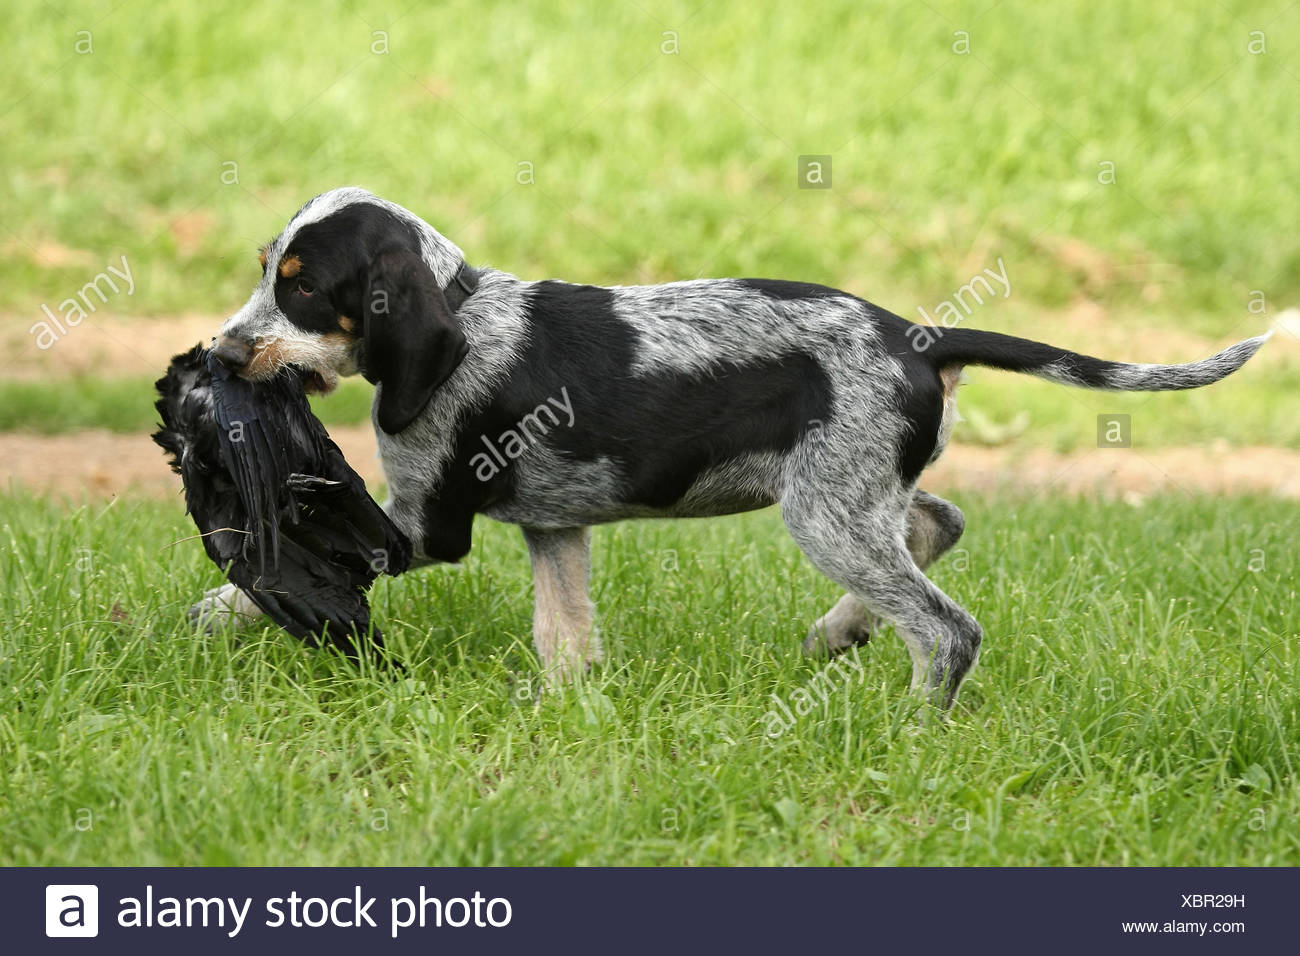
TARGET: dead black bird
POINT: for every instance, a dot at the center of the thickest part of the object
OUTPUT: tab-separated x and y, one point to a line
282	513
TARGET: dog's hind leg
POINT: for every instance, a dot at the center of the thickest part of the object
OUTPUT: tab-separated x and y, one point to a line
563	627
933	527
865	551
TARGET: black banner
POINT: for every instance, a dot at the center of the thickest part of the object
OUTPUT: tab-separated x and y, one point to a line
192	911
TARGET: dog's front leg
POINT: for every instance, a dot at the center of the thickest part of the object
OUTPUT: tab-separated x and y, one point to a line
224	605
563	627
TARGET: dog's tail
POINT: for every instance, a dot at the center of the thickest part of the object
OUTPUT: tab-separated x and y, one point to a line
949	347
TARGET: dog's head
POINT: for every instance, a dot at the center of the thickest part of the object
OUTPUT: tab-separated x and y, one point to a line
352	284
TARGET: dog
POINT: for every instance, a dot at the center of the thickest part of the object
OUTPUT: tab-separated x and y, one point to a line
556	407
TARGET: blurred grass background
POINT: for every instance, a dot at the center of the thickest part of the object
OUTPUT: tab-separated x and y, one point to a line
651	166
661	141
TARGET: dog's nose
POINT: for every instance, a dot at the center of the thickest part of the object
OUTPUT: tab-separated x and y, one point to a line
233	353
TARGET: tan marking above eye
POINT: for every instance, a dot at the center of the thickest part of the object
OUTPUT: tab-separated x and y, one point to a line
290	266
261	256
346	324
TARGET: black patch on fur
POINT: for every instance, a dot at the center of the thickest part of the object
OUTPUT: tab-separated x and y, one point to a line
1012	354
918	400
679	425
922	408
785	290
663	430
336	253
447	530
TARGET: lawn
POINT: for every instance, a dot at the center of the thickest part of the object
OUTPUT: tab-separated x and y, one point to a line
1140	156
1135	703
1129	168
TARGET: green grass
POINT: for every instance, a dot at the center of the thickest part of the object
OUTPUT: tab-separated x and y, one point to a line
648	166
1136	703
126	405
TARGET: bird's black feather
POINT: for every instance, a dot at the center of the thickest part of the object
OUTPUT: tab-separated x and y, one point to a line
281	511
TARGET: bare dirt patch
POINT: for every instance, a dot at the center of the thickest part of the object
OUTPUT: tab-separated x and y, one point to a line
101	464
103	345
1128	473
104	464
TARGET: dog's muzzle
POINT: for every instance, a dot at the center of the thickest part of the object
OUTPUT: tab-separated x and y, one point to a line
233	353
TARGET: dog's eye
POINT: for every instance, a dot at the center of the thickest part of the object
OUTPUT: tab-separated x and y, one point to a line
305	288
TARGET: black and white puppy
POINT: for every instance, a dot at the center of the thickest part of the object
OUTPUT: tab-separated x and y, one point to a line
556	406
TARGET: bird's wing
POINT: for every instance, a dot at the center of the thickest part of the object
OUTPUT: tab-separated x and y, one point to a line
188	434
283	514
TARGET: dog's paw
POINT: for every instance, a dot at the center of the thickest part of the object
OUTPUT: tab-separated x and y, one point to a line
823	641
845	626
223	606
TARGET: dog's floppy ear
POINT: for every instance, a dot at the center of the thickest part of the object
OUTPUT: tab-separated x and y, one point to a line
412	339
